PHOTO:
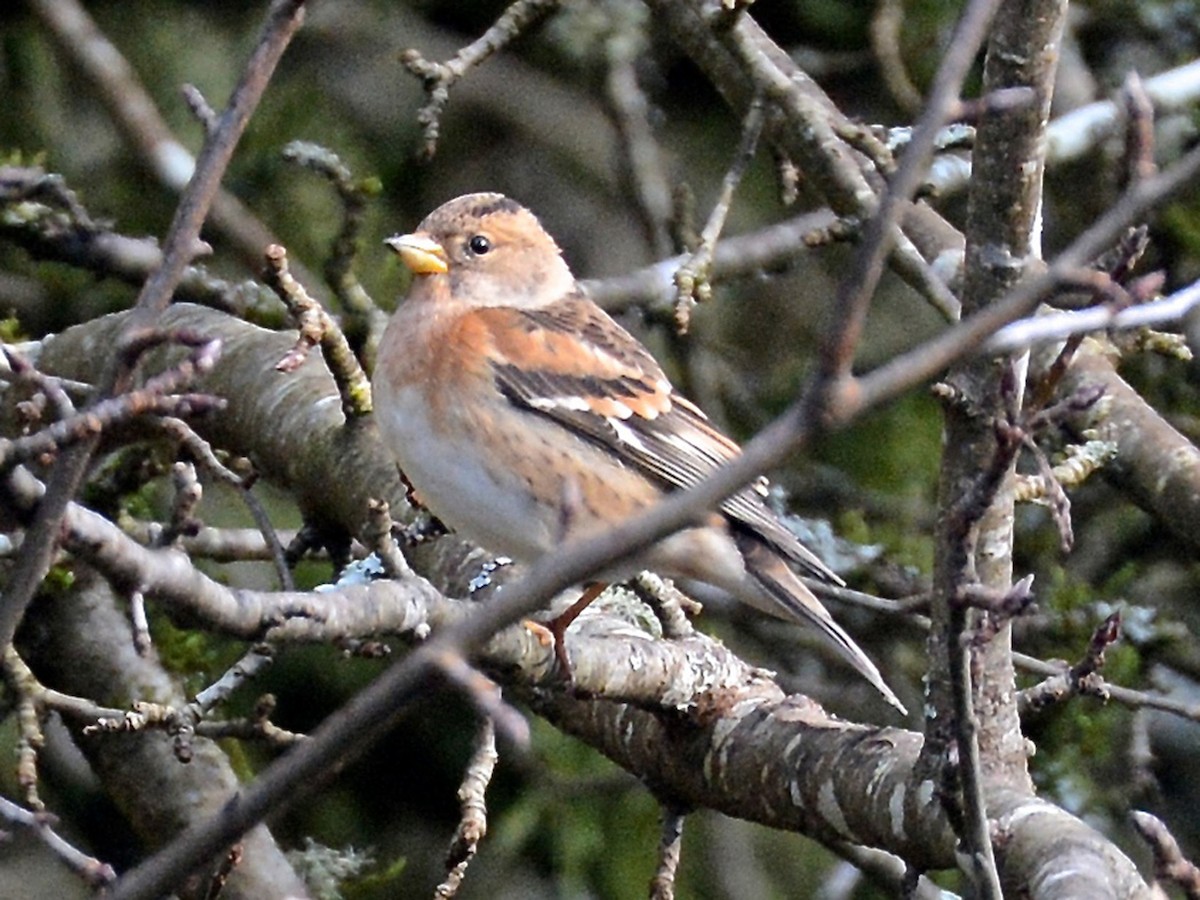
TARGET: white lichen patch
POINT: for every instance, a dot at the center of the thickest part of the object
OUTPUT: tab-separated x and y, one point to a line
831	810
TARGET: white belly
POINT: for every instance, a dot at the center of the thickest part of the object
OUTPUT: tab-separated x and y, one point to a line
455	480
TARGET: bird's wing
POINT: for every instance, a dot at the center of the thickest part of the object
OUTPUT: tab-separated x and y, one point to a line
571	362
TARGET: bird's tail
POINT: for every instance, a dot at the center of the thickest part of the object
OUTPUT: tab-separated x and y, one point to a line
790	599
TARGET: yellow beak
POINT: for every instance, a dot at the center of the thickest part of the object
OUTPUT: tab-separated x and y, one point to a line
422	254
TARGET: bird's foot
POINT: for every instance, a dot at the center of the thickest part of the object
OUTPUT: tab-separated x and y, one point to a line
554	631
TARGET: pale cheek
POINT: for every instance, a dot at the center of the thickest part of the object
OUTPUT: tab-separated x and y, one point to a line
460	282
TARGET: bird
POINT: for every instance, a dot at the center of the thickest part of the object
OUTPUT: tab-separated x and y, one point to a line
522	414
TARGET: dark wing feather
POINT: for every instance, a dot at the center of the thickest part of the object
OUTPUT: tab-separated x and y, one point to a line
618	396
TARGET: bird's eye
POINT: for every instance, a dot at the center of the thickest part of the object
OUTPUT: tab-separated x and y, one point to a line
479	245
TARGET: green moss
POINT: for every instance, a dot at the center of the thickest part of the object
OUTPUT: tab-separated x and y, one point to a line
894	450
59	579
380	883
197	657
1081	761
11	330
852	525
903	545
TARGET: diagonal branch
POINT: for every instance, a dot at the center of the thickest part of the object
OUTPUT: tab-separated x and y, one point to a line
282	21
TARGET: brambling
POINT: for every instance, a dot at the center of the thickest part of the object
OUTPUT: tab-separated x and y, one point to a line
523	415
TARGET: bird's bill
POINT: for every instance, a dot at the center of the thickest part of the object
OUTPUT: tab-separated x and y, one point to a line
423	255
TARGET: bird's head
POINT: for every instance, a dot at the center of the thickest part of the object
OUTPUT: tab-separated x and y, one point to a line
487	249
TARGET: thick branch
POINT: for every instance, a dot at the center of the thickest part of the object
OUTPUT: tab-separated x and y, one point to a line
1158	467
972	683
82	645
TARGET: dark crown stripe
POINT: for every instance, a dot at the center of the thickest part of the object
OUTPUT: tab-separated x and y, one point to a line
493	204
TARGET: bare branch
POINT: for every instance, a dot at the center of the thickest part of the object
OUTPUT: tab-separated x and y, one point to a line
318	328
855	292
692	278
970	713
87	867
282	21
472	825
355	194
1169	862
886	42
86	426
139	121
769	249
197	103
670	849
66	234
1072	135
518	18
1081	677
202	452
631	112
378	536
1060	325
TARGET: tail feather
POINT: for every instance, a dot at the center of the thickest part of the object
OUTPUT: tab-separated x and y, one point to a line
790	599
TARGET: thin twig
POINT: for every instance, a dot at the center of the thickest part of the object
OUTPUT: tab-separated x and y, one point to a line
630	110
1081	130
1061	325
885	32
253	663
378	536
355	194
692	278
935	355
1044	389
1081	462
188	493
1095	686
1169	862
484	693
201	451
76	428
89	424
318	328
200	108
217	544
670	850
1139	131
30	738
51	231
774	248
909	264
139	622
856	291
670	605
220	878
1079	678
92	870
973	829
438	78
139	121
472	825
51	387
282	21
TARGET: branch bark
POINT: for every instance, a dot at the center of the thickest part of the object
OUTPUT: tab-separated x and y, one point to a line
82	644
1155	465
708	729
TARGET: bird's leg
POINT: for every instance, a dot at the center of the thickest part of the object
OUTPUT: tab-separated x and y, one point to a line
557	627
